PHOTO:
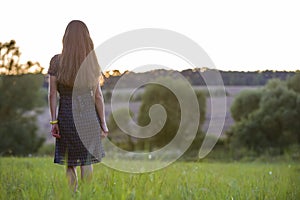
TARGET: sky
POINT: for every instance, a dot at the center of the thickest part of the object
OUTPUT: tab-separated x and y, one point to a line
237	35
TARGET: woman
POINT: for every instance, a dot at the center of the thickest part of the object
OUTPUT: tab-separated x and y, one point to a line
76	69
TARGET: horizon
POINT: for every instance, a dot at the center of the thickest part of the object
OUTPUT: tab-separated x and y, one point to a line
193	69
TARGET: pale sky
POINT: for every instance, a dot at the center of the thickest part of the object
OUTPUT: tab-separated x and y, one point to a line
237	35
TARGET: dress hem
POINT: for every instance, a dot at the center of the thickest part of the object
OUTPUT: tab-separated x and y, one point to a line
79	163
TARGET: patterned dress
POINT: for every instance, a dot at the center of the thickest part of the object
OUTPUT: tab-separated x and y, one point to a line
79	125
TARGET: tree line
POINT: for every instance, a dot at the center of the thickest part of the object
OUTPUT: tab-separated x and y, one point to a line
194	76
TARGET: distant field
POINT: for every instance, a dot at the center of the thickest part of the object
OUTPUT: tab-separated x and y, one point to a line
39	178
231	92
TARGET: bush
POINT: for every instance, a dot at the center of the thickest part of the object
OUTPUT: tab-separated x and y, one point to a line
245	103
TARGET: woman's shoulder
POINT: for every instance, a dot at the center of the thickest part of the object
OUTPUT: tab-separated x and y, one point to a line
54	65
54	59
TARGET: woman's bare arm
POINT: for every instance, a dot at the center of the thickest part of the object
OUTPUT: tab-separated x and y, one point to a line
52	97
52	100
99	101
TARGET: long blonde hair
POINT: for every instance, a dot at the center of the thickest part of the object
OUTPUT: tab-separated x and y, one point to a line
78	57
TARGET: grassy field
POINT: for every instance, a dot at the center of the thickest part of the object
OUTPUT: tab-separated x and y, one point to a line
39	178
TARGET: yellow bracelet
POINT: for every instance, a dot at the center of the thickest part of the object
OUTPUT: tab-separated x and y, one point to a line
54	122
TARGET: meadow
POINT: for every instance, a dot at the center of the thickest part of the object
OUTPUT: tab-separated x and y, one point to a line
39	178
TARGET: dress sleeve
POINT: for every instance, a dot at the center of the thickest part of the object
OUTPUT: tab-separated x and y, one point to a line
52	71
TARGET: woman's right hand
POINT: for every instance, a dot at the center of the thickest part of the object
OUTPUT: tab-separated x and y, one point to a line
104	131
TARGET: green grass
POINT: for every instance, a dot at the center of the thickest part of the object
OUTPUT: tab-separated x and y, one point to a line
39	178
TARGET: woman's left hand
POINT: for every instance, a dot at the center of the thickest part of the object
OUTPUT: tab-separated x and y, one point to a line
55	131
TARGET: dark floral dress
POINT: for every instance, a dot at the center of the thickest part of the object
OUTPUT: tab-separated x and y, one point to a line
79	127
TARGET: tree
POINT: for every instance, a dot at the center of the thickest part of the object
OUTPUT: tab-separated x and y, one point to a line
20	95
274	121
158	94
193	151
9	61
